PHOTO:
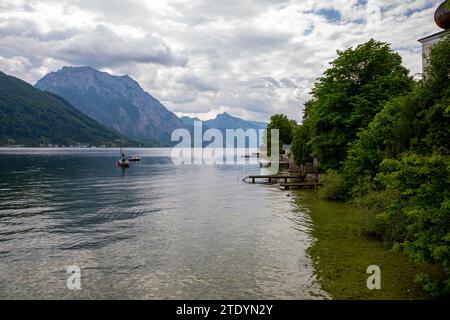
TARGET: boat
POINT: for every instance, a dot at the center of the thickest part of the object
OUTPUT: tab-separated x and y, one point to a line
123	162
134	159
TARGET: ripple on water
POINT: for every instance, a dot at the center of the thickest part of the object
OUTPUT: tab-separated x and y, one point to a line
153	231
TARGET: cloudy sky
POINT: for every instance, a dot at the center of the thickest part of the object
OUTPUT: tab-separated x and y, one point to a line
251	58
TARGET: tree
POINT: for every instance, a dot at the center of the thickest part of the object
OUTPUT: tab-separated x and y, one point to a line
433	120
403	156
387	136
418	121
350	93
285	126
301	148
417	221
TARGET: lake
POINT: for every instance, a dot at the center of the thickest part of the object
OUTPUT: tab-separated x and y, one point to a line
153	231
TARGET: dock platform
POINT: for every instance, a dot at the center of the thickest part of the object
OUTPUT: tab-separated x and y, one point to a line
299	185
271	178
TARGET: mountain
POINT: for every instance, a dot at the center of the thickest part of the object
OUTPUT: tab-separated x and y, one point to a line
31	117
226	121
115	101
189	121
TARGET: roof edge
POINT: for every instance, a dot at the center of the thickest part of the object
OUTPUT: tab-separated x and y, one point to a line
433	35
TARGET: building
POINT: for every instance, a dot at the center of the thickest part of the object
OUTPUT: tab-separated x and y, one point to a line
427	42
442	19
287	148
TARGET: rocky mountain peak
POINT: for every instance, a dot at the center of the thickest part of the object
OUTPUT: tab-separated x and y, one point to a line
118	102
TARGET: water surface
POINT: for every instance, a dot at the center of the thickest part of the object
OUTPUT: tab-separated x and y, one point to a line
153	231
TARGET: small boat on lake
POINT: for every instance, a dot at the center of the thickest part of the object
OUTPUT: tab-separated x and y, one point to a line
122	163
134	159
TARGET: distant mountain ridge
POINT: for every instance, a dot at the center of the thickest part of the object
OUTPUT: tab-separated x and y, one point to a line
227	121
188	121
117	102
31	117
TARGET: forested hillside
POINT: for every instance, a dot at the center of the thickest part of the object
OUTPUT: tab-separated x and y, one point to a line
31	117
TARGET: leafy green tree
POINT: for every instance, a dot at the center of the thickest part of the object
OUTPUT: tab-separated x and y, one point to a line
418	122
436	77
285	126
350	93
401	163
387	136
433	119
417	222
301	147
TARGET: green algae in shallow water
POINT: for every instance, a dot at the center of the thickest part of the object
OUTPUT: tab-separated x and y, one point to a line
342	253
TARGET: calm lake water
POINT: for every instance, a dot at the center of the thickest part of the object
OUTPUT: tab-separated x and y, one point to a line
155	230
158	230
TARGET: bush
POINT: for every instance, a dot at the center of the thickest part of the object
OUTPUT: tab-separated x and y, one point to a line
417	221
367	194
334	186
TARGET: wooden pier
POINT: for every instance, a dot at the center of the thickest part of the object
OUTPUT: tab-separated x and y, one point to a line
287	182
271	178
299	185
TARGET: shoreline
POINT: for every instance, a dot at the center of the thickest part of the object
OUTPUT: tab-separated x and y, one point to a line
341	253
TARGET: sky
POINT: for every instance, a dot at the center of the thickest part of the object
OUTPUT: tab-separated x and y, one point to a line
250	58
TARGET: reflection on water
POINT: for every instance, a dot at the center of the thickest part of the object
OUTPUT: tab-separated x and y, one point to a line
155	230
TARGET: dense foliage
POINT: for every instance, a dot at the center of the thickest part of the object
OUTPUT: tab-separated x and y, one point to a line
349	94
31	117
387	139
417	221
285	128
301	147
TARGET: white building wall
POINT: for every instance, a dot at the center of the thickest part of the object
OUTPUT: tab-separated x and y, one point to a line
427	43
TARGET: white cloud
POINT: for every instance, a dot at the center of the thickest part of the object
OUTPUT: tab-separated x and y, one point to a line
251	58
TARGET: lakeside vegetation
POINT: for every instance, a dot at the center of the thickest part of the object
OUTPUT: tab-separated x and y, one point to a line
341	253
382	139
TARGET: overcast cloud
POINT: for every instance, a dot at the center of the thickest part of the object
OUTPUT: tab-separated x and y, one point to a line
251	58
